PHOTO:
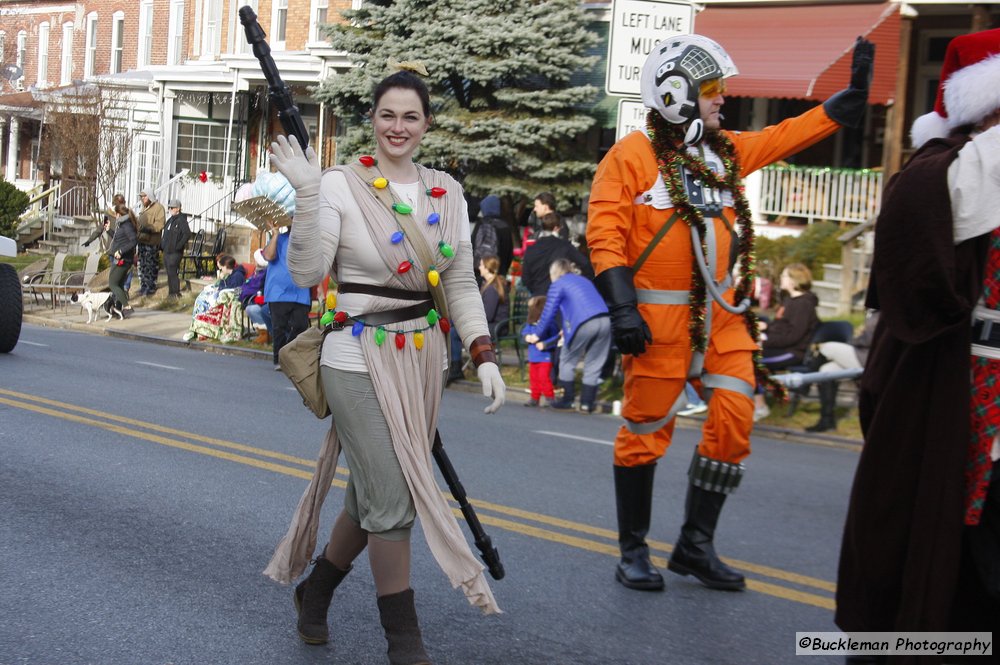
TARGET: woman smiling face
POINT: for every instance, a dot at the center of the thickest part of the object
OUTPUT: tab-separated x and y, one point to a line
399	123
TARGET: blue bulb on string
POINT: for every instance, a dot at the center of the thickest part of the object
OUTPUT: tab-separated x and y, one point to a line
397	237
433	218
357	328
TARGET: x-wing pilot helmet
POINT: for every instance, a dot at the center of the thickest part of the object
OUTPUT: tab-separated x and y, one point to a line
673	73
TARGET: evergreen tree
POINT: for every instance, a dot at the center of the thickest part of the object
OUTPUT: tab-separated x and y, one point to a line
507	121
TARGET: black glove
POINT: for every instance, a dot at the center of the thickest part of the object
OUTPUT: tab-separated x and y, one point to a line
630	331
847	107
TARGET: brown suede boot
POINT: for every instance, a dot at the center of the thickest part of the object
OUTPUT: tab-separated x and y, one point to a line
312	600
399	619
262	337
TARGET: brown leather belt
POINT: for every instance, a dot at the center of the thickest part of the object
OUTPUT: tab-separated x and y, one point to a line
392	315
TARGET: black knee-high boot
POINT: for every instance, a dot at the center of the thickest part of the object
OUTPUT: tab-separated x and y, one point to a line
312	600
827	408
634	499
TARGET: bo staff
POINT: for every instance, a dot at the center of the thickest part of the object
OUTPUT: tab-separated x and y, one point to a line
280	95
489	553
291	121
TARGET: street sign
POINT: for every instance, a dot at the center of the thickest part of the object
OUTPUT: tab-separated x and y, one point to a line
636	26
631	116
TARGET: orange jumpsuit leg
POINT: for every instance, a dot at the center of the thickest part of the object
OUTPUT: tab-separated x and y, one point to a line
647	398
726	433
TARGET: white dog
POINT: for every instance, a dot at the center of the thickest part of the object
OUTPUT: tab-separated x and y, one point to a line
92	302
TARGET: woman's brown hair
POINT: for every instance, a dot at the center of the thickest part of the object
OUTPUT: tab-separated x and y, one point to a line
492	263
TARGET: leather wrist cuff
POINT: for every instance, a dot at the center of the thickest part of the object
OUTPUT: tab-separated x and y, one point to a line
481	350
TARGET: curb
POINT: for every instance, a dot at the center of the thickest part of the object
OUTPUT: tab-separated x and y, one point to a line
466	385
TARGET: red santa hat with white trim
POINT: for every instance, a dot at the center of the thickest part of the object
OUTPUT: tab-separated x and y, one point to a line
969	89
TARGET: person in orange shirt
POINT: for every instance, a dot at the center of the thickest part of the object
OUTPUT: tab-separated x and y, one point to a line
668	224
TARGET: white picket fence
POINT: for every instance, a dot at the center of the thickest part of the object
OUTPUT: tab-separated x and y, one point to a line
818	193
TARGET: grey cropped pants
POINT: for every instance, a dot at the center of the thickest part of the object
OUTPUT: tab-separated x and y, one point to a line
378	497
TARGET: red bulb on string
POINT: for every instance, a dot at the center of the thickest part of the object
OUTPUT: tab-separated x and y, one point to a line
340	317
445	326
400	340
437	192
404	267
367	160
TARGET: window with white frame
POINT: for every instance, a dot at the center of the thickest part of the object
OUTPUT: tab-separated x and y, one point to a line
21	56
144	56
117	41
201	146
319	14
356	4
175	33
211	34
66	62
279	24
241	43
3	44
90	46
43	52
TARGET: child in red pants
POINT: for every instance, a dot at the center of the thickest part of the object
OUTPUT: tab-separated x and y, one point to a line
539	356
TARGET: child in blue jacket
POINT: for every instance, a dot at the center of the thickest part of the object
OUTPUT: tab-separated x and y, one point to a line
539	356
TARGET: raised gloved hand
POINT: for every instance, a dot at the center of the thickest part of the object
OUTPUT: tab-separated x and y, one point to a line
847	107
493	386
301	168
630	332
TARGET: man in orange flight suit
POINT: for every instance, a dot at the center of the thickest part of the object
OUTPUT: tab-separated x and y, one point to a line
666	326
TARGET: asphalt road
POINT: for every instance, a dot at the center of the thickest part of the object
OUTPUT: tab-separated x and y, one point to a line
144	487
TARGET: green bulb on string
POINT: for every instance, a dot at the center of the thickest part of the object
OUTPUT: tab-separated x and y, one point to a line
402	208
327	318
432	317
446	249
379	335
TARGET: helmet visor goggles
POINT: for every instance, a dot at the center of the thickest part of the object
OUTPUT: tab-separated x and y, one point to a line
712	88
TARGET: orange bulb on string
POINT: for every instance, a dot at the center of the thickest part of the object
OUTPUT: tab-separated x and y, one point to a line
331	300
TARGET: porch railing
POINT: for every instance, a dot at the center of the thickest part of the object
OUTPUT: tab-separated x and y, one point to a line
820	193
78	200
43	206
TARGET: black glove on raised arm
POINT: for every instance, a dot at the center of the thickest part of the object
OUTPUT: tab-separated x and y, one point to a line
628	328
847	107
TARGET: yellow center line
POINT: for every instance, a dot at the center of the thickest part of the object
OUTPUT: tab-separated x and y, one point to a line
100	419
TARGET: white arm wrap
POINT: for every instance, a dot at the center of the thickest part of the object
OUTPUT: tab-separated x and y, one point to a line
465	303
312	245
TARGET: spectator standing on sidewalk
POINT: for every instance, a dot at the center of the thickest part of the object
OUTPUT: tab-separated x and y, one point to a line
122	255
586	331
176	233
151	219
539	356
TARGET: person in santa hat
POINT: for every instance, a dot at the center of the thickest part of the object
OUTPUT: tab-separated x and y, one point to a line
673	194
921	545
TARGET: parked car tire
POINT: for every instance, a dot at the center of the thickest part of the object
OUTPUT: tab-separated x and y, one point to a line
11	308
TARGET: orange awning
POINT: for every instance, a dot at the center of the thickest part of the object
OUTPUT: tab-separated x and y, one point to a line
804	52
